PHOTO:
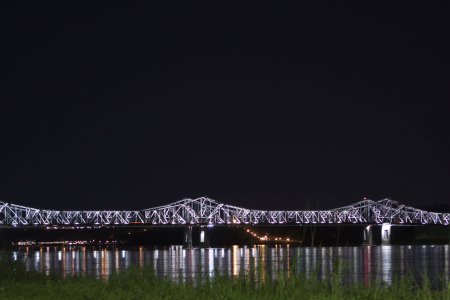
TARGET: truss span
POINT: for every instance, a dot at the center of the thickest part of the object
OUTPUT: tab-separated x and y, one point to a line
208	211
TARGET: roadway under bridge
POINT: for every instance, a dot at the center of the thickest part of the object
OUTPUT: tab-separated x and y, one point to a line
204	212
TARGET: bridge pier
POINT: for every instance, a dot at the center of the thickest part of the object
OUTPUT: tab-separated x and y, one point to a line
204	236
187	242
368	236
385	234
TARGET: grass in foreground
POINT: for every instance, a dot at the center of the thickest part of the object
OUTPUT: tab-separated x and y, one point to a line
135	283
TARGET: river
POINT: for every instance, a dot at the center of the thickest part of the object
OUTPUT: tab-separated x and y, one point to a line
363	264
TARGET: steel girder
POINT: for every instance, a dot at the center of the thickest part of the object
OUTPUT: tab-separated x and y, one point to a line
207	211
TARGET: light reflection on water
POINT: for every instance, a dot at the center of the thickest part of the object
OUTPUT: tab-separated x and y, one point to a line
364	264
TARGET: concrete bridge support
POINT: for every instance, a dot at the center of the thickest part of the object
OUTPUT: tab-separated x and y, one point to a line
187	242
368	236
203	241
204	237
386	234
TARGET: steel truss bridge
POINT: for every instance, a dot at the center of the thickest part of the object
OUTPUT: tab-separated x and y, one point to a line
205	211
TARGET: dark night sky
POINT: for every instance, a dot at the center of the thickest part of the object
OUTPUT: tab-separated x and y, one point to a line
262	107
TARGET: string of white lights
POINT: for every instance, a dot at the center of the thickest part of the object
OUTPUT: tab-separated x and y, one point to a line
204	210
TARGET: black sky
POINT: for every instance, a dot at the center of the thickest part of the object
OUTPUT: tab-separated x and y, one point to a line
262	106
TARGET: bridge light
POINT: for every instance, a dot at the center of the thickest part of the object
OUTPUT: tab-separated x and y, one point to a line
288	239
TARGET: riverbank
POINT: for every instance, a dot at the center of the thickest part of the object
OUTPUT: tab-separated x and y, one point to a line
141	283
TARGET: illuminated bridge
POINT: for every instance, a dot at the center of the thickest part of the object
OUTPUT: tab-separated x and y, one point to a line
204	211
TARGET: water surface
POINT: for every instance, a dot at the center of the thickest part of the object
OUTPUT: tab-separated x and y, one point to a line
364	264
